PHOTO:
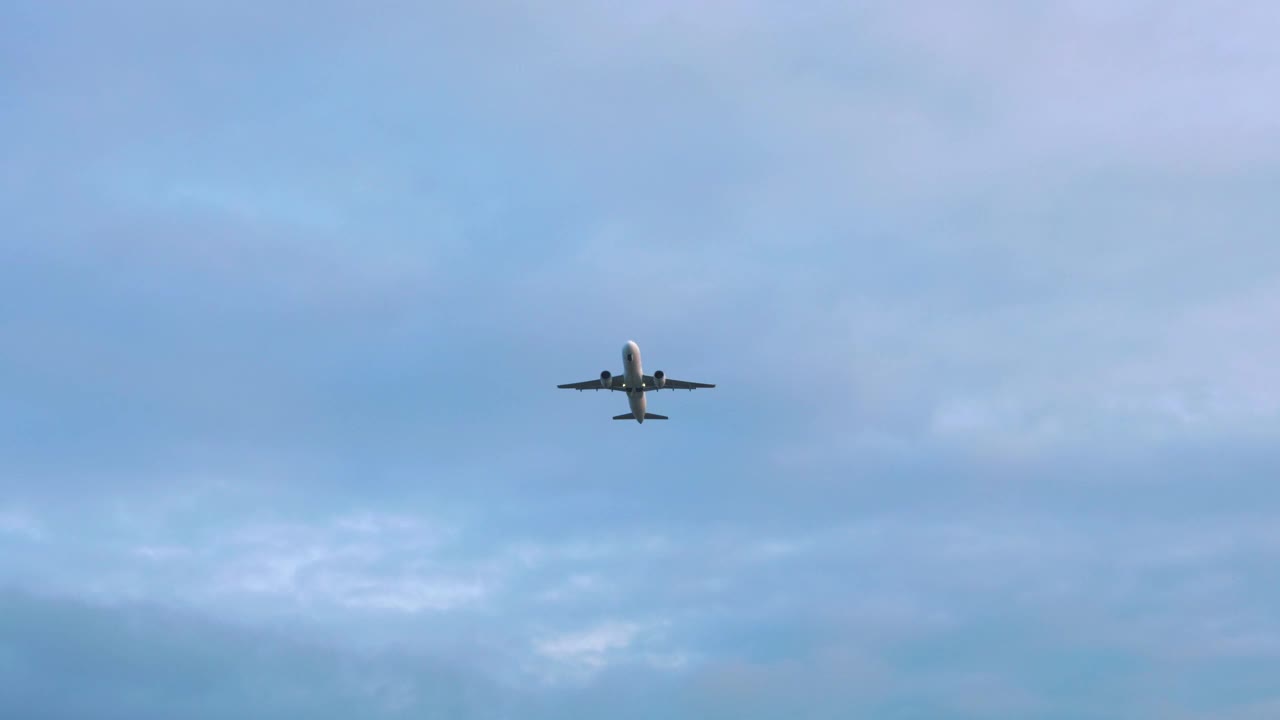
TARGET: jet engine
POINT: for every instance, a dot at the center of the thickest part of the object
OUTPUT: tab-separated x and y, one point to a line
659	378
606	379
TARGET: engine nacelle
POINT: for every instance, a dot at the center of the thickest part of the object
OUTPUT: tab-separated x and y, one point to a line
606	379
659	378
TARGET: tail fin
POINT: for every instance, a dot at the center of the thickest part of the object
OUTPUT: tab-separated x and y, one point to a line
651	416
628	416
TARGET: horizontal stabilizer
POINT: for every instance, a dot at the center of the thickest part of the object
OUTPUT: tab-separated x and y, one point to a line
628	416
651	416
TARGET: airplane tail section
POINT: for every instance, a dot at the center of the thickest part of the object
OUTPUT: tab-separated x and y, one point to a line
628	416
647	416
651	416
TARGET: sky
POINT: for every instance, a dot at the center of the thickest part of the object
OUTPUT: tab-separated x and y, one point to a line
988	290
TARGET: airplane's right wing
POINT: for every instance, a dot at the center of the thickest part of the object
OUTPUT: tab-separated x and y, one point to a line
672	384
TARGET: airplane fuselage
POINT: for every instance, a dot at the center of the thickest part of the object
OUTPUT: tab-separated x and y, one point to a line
633	374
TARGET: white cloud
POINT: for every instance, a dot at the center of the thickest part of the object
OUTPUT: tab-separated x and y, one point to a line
403	594
573	588
370	561
579	655
21	524
161	553
589	647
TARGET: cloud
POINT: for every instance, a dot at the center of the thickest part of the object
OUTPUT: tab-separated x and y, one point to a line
20	524
987	292
897	602
143	661
588	647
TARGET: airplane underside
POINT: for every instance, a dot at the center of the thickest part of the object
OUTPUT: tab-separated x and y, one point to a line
635	384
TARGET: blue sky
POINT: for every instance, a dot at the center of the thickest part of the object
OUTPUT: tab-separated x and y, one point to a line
988	289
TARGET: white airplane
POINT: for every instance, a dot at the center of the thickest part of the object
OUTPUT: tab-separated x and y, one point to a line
635	384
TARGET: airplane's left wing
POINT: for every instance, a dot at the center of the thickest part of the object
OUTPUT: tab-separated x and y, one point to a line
614	382
673	384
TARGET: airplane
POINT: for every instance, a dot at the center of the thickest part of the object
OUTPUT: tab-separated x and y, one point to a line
635	384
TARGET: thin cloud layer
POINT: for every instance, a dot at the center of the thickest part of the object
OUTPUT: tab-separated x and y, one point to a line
987	293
